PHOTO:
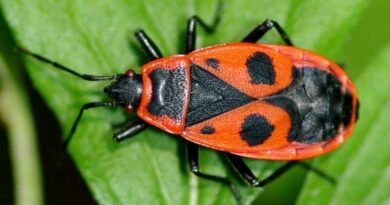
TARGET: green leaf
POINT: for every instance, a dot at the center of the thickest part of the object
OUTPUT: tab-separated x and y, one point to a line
95	37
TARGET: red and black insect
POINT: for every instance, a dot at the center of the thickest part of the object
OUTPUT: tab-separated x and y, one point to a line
261	101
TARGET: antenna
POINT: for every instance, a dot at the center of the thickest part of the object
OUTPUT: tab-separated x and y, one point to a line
64	68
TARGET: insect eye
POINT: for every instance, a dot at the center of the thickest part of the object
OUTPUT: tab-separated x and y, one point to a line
129	108
130	73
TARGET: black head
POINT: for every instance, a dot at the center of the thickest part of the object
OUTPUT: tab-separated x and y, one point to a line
126	90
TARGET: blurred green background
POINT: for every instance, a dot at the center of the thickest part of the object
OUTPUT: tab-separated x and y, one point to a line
37	104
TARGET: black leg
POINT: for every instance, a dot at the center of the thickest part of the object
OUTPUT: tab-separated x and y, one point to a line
193	160
263	28
76	122
129	130
317	171
148	45
240	166
66	69
191	28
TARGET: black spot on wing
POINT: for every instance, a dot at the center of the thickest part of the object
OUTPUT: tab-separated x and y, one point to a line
207	130
256	129
212	62
261	69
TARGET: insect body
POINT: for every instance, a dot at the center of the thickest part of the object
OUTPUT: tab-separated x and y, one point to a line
245	99
259	101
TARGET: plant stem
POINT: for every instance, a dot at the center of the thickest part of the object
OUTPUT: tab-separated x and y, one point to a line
16	114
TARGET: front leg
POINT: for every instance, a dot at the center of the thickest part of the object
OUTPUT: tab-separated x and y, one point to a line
191	28
148	45
129	130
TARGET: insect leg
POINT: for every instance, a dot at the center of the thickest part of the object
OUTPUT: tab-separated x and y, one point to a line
263	28
76	122
129	130
243	169
148	45
66	69
191	27
193	160
317	171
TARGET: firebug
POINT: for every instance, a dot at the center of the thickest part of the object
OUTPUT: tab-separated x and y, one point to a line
261	101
